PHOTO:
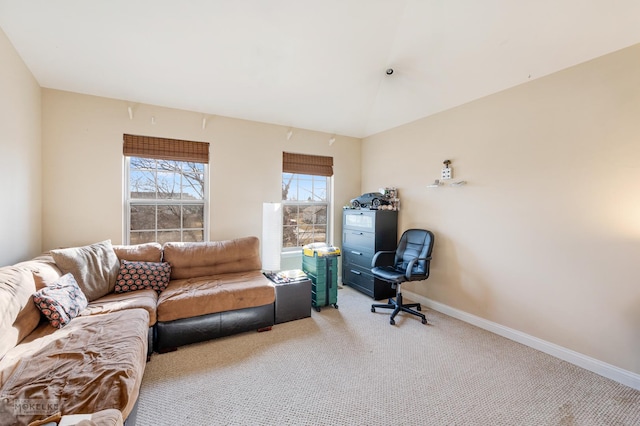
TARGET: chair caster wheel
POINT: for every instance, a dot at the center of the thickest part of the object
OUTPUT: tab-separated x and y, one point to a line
424	320
392	322
335	305
318	309
373	309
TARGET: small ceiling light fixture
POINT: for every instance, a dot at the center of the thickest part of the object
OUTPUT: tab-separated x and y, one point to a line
332	139
389	71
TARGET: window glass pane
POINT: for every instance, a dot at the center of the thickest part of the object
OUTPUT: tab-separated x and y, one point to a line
307	215
139	163
168	185
139	237
142	217
320	215
305	236
169	166
193	186
290	226
305	188
305	227
290	188
142	184
289	238
287	179
191	167
290	215
319	234
193	216
167	236
169	217
193	236
320	188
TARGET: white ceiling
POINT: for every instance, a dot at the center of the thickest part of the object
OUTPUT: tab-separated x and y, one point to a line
316	65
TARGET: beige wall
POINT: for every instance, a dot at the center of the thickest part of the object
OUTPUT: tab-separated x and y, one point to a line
20	177
545	238
83	165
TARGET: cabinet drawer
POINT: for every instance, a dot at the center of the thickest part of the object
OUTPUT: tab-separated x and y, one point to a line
363	220
358	239
357	257
354	277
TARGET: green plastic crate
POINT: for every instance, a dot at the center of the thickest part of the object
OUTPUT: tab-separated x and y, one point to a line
323	272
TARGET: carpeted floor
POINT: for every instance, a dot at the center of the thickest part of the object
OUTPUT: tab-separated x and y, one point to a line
350	367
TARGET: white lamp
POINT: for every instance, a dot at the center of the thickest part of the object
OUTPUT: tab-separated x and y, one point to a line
271	236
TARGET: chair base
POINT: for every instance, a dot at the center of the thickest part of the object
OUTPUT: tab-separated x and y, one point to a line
398	306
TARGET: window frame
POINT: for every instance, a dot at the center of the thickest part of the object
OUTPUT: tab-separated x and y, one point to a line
328	204
128	201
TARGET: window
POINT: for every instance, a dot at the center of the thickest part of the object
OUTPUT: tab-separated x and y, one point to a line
166	198
305	199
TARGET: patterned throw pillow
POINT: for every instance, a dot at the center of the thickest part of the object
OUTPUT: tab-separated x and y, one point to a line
61	301
140	275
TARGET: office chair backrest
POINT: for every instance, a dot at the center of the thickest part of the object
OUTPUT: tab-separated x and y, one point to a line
414	243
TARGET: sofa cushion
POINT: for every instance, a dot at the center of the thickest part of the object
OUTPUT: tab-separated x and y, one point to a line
94	363
19	316
95	267
147	252
61	301
190	260
114	302
142	275
16	288
44	268
207	295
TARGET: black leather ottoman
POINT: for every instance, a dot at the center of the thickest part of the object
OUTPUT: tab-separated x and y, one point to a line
293	300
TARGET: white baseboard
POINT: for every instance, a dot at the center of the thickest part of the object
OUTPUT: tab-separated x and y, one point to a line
599	367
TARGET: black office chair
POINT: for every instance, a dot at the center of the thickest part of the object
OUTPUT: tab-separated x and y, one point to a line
409	262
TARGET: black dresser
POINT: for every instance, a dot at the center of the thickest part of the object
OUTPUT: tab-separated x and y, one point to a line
365	232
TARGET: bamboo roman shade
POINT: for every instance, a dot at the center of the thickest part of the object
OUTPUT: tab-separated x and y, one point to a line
165	149
307	164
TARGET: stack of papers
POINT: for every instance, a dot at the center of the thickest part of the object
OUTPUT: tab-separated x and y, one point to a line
287	276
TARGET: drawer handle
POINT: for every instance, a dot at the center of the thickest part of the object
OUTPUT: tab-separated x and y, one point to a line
356	272
356	252
357	233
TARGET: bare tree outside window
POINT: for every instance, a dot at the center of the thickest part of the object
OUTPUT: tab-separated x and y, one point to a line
166	200
305	205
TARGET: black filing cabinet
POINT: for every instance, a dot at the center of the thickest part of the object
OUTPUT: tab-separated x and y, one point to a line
365	232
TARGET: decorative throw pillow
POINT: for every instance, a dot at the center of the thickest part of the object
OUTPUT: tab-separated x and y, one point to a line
95	267
61	301
140	275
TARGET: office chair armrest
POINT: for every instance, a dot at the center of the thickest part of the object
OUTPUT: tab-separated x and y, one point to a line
410	266
381	258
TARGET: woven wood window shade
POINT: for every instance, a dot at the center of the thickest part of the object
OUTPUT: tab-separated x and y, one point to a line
307	164
165	149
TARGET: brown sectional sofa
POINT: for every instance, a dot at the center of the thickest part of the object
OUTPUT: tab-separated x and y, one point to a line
96	361
216	289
